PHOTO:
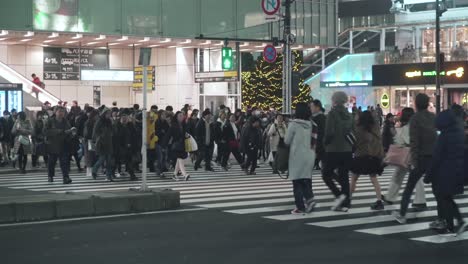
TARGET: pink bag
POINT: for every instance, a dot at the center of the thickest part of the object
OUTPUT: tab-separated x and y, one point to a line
398	156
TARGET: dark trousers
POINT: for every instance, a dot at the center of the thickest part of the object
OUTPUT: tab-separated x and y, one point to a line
342	162
235	152
22	158
160	159
205	153
414	176
151	154
252	155
64	159
35	159
448	209
77	159
302	189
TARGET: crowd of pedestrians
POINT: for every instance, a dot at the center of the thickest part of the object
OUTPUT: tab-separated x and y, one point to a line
341	144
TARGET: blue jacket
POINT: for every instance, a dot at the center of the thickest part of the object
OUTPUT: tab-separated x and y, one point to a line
447	170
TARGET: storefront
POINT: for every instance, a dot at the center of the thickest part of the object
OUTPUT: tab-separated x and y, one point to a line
403	82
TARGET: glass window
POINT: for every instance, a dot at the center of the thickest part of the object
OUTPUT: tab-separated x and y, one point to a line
218	18
141	17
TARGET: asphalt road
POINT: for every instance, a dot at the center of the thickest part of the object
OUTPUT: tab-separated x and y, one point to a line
210	236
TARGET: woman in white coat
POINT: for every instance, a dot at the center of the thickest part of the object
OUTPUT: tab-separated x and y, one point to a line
402	139
301	159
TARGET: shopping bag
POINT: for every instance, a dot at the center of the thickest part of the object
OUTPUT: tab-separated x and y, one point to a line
190	144
398	156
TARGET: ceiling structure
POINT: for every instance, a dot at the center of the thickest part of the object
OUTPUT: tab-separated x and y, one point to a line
53	39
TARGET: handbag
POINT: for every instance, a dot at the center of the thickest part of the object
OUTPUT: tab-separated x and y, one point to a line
190	144
398	156
282	158
24	140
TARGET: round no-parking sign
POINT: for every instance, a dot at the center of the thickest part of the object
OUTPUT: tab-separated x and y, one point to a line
269	53
271	7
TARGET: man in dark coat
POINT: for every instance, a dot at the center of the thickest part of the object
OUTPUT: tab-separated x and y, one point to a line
204	134
127	144
102	137
58	132
446	172
252	141
319	118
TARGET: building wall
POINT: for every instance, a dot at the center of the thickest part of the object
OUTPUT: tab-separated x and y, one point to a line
174	76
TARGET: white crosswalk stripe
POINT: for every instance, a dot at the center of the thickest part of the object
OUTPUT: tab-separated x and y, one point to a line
267	196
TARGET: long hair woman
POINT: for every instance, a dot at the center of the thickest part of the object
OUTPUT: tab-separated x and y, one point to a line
368	155
301	159
177	133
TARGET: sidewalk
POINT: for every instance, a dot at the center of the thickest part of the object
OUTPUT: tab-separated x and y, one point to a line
23	205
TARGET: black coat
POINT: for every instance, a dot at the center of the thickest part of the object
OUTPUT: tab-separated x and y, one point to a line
228	132
56	139
447	168
126	138
251	138
176	135
200	133
320	120
102	136
191	125
162	127
388	134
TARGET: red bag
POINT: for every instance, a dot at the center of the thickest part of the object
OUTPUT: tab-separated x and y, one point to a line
234	144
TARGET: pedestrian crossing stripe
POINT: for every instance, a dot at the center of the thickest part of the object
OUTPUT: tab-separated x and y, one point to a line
265	195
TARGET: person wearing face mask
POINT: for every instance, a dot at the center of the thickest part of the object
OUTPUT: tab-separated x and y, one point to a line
22	130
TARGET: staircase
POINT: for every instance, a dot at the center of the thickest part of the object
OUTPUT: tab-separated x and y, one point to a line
361	43
12	76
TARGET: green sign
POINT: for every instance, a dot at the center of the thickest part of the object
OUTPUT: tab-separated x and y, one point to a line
226	58
385	101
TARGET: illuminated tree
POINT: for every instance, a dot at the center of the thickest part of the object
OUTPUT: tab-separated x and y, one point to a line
262	87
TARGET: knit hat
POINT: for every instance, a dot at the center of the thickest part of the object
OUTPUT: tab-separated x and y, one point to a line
339	98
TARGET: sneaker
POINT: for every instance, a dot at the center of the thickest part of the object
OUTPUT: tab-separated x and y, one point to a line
187	177
338	202
175	178
419	207
67	181
398	217
118	175
50	179
94	175
386	201
310	205
297	212
461	228
378	205
438	224
447	232
343	209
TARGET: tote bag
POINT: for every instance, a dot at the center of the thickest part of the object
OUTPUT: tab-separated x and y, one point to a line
398	156
190	144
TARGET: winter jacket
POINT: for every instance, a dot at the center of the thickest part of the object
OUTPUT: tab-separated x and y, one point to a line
176	135
126	137
301	156
102	136
191	125
251	138
228	132
56	137
423	136
339	123
368	143
447	169
218	128
200	133
275	133
24	129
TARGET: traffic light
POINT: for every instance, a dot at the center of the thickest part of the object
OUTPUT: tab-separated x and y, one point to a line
226	58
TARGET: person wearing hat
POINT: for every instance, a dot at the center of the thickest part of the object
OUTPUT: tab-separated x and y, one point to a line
204	134
338	150
57	132
102	137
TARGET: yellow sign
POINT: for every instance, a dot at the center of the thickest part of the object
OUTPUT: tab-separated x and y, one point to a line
138	78
385	101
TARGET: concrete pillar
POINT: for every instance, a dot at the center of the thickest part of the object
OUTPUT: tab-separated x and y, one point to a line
351	51
323	59
382	39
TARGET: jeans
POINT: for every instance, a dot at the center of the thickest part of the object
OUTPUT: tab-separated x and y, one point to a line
448	209
414	177
160	159
302	189
108	160
342	162
64	159
395	184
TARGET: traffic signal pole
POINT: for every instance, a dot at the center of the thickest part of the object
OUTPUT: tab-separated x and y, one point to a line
287	61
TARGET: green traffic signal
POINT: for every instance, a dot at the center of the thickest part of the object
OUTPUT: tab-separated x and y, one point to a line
226	58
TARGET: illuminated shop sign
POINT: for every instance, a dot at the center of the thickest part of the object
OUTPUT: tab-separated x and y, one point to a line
385	100
459	72
419	74
346	84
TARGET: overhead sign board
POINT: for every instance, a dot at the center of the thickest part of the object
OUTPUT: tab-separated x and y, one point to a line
138	78
455	72
270	54
218	76
271	8
346	84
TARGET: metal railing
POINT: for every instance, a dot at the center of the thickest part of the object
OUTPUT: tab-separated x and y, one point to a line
421	55
346	23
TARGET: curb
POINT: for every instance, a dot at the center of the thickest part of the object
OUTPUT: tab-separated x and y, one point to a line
60	206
